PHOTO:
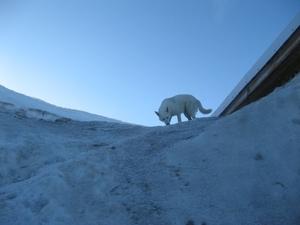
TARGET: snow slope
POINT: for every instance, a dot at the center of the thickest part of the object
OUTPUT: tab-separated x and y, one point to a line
35	108
239	169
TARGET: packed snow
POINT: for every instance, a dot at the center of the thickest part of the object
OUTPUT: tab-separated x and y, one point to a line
240	169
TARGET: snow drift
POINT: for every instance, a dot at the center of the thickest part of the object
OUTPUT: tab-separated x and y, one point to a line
240	169
36	108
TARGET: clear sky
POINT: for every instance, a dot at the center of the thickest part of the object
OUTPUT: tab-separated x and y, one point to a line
120	59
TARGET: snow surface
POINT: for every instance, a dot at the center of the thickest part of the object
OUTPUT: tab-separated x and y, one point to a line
240	169
35	108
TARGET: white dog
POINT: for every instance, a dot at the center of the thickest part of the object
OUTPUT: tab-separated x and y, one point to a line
186	104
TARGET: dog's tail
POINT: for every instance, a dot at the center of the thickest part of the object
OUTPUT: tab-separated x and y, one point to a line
202	110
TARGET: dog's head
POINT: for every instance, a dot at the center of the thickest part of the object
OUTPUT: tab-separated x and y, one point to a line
164	116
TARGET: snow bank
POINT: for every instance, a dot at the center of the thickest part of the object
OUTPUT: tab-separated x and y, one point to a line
35	108
240	169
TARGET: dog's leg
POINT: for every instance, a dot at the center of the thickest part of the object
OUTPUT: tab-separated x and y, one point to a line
179	118
187	115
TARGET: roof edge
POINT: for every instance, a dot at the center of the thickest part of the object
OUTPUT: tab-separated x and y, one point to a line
260	63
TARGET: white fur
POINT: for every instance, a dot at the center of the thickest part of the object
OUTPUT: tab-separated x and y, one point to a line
186	104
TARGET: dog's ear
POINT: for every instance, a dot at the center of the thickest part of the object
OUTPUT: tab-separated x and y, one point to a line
156	113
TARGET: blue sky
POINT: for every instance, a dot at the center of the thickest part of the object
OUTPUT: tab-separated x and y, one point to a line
120	59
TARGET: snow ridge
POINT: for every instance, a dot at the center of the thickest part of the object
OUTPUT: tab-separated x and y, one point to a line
37	108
